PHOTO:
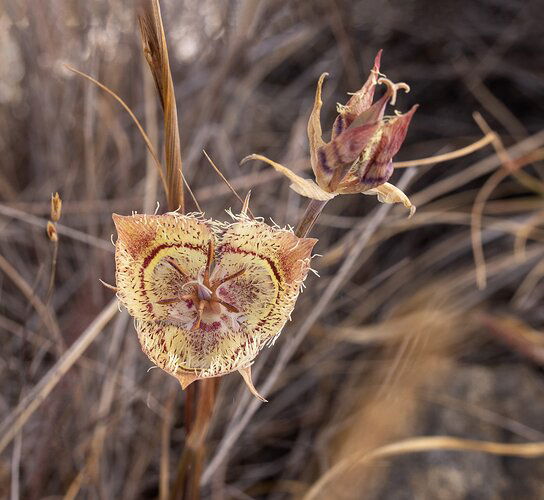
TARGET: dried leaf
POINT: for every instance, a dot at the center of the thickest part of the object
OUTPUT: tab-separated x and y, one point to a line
304	187
388	193
335	158
358	102
246	375
315	134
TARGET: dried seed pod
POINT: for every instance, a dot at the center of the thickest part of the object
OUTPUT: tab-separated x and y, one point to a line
56	207
207	296
52	232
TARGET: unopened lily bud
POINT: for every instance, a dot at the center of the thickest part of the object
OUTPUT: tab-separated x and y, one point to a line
364	140
52	231
56	207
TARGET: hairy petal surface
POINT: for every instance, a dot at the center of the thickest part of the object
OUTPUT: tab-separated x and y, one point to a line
155	256
245	275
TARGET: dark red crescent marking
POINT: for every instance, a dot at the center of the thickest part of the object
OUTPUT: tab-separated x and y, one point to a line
150	257
229	248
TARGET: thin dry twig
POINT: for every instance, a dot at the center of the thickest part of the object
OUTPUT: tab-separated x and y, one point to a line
69	232
458	153
131	114
481	198
423	444
225	180
37	395
43	311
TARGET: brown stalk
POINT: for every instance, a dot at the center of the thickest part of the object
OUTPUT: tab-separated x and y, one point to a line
313	210
452	155
156	54
187	485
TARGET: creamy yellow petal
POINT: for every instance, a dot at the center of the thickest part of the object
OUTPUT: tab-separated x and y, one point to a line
194	323
210	351
276	263
155	255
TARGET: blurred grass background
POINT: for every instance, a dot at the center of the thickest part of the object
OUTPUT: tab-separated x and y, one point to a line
405	344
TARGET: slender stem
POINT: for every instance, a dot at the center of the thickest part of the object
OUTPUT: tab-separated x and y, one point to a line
311	214
190	397
53	271
187	484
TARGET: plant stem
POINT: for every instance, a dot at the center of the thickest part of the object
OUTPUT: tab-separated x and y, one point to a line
187	484
314	208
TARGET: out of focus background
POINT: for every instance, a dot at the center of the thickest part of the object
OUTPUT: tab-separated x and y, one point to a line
394	340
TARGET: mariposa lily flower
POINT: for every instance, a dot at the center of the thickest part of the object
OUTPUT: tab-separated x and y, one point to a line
207	296
359	156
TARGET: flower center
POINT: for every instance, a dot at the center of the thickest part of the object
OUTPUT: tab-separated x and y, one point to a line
204	295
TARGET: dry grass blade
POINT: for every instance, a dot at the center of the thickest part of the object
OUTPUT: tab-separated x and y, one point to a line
131	114
91	470
156	54
458	153
193	197
481	198
62	230
517	335
229	185
13	423
45	314
423	444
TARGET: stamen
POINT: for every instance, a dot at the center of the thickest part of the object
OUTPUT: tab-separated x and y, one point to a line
174	264
229	278
227	306
201	306
174	300
209	261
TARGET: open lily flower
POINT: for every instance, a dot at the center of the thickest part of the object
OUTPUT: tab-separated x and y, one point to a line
207	296
359	156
